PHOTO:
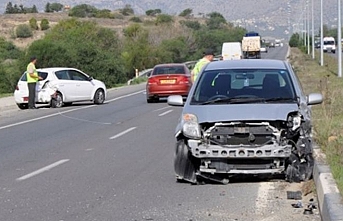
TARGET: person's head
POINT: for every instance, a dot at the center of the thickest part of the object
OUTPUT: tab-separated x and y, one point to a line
209	54
33	59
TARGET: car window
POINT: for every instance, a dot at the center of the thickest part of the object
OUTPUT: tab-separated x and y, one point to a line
168	70
264	83
62	75
77	76
44	75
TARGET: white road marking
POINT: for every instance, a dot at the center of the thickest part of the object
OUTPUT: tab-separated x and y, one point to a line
122	133
44	169
164	113
63	112
124	96
263	200
161	109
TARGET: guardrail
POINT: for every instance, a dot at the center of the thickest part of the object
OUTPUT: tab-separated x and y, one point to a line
146	72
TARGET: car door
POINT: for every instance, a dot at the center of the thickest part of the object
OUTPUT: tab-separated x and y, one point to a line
83	85
66	85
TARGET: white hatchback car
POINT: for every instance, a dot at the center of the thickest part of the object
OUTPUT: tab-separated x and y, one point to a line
61	86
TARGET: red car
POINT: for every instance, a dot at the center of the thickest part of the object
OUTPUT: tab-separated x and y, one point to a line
168	79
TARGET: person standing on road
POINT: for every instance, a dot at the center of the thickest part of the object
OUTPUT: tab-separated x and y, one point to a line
208	57
32	78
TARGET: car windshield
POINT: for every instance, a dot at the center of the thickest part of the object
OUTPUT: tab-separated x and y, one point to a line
243	86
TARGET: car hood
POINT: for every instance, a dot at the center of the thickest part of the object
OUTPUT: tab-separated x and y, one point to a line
241	112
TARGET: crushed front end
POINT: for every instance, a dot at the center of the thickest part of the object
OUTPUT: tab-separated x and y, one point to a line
250	147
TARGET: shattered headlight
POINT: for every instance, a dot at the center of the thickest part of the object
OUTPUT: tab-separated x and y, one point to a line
190	126
294	121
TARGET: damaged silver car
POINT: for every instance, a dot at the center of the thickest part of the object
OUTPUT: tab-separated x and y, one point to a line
245	117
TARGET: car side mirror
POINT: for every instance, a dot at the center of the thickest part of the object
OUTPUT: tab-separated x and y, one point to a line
175	100
90	78
314	98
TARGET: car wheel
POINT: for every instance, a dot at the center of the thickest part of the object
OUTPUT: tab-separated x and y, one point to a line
57	101
99	97
23	106
184	164
149	100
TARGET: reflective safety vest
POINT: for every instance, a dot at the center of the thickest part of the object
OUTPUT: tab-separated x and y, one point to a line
198	66
31	66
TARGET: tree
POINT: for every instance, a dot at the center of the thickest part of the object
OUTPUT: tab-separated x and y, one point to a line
23	31
83	11
195	25
56	7
186	13
9	8
127	10
33	23
83	45
47	8
34	9
44	24
216	20
163	18
153	12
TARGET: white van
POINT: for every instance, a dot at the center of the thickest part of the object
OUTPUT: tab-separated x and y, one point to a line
232	51
329	44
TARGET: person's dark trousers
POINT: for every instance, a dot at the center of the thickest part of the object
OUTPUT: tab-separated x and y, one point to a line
32	94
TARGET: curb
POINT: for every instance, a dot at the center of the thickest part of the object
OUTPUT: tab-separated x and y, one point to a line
329	198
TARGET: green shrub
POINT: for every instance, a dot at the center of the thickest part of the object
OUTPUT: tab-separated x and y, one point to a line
135	19
23	31
44	24
164	18
33	24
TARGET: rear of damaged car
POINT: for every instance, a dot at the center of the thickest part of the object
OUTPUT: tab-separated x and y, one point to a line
246	129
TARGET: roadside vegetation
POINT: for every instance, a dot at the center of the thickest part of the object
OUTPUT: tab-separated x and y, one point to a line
113	55
328	117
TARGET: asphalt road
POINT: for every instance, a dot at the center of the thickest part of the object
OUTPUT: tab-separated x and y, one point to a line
115	162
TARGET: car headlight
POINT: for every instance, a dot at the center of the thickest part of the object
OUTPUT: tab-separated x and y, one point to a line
190	126
294	122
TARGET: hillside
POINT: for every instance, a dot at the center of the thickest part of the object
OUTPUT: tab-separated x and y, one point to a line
8	22
269	17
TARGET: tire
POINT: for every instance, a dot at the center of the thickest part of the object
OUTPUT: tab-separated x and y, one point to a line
149	100
184	164
57	101
23	106
99	97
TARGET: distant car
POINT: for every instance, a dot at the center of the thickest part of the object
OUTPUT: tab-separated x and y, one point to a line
70	85
264	49
245	117
272	45
168	79
317	44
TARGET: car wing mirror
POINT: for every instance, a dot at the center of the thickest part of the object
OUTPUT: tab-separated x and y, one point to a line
175	100
314	98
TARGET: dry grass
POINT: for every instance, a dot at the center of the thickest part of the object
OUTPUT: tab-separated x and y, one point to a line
327	117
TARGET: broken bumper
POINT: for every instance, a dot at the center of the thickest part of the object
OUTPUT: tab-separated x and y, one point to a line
267	159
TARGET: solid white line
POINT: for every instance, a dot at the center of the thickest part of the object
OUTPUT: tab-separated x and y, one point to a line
63	112
167	112
122	133
42	170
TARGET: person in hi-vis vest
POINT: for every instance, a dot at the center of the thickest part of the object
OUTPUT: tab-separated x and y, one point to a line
208	57
32	78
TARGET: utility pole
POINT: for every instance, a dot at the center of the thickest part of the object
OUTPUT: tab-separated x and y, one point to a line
312	26
339	41
308	26
321	34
